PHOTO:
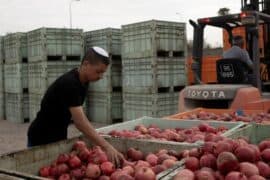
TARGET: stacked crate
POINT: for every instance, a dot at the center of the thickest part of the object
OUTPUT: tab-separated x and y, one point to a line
2	97
51	52
153	71
105	95
16	78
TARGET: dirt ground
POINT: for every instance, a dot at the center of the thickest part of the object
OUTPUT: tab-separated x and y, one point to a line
13	135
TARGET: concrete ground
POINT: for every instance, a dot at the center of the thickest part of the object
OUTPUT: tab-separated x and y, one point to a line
13	135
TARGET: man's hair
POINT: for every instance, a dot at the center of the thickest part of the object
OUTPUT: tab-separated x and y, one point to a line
238	41
94	58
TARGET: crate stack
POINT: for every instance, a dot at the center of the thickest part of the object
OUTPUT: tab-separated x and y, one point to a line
105	95
2	97
51	52
153	71
16	78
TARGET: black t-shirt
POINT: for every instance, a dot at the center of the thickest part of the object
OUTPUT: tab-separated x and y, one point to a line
54	116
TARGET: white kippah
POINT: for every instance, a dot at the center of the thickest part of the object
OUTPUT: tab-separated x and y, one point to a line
100	51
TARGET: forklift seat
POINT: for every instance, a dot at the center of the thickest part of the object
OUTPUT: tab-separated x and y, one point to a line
231	71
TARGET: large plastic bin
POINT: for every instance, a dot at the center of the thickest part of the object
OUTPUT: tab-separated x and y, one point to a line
163	124
55	44
153	38
26	163
15	48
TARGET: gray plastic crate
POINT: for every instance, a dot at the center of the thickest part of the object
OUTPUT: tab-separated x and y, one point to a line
151	75
109	39
105	107
2	105
55	44
2	77
254	132
153	38
153	105
16	77
43	74
164	124
15	48
2	55
26	163
17	107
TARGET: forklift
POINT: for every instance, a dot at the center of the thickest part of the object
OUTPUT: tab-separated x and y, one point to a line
230	92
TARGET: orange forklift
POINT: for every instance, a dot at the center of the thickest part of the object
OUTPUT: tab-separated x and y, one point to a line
230	91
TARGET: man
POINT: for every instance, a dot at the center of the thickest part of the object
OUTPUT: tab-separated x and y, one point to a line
63	101
237	51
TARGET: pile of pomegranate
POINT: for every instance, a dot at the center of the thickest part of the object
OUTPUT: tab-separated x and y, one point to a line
203	115
197	133
227	159
85	163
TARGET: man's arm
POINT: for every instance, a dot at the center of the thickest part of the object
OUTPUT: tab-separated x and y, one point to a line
83	124
247	59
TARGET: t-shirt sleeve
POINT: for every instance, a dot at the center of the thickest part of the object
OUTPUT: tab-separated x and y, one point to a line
72	97
247	58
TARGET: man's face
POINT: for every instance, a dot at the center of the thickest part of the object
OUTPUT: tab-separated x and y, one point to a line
94	72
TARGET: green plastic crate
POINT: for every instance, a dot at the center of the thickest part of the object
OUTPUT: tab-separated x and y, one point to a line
153	38
15	48
26	163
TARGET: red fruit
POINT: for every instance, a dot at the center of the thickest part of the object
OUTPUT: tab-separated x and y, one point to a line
128	163
162	151
117	174
256	177
208	160
134	154
265	154
159	168
222	146
219	176
184	154
235	176
74	162
78	145
256	151
162	157
97	157
264	169
62	158
184	174
145	173
107	168
168	163
248	169
195	152
44	171
53	171
62	168
140	164
204	175
174	153
104	177
84	154
264	145
245	154
227	162
192	163
129	170
92	171
203	127
77	173
152	159
209	147
141	128
64	177
124	177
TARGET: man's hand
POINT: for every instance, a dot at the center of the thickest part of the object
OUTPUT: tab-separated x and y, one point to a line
114	156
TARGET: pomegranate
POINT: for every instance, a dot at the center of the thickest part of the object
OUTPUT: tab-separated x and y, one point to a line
92	171
145	173
107	168
227	162
192	163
